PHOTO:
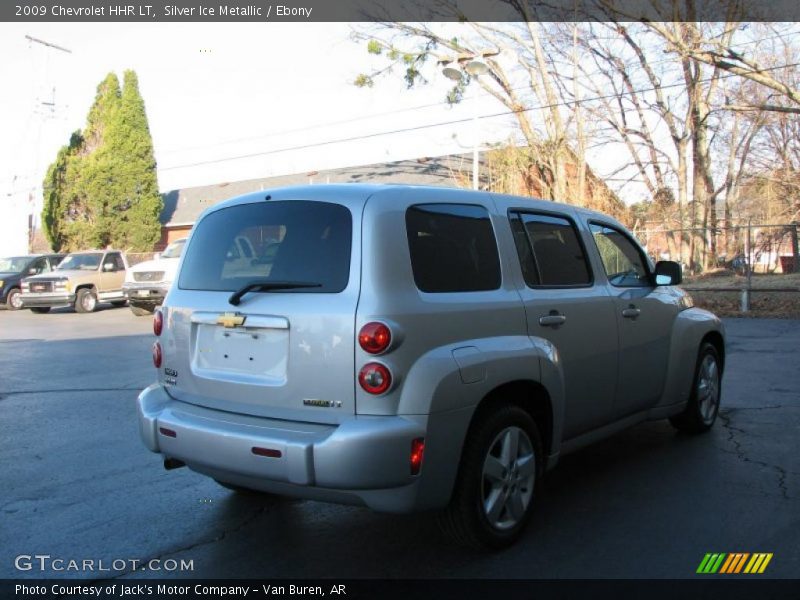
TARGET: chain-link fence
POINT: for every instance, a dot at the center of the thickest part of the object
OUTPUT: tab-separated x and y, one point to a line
749	248
134	258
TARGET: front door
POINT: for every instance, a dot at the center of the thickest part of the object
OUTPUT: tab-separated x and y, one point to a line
644	316
111	281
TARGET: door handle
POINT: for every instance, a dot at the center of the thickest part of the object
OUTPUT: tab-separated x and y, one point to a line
631	312
552	320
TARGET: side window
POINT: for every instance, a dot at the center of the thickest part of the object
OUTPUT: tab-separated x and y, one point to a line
244	244
453	248
116	260
41	265
233	252
550	252
623	262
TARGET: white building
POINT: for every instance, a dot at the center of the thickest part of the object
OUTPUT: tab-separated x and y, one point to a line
14	215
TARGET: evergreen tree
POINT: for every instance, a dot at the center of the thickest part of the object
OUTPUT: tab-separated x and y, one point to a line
102	189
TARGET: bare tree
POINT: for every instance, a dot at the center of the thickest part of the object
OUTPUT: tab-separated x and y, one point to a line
522	76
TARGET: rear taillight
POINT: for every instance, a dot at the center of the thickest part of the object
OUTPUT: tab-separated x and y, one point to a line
374	337
157	355
417	452
375	378
158	322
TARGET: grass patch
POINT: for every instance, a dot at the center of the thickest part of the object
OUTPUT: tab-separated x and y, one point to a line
777	304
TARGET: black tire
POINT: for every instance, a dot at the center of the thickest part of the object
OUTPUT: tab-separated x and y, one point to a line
140	312
119	303
701	411
40	310
469	518
13	299
85	301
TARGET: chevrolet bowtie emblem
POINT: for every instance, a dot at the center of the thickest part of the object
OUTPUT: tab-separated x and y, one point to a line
231	320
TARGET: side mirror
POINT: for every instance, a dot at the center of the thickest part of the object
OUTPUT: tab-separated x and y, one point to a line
32	271
108	266
157	255
668	273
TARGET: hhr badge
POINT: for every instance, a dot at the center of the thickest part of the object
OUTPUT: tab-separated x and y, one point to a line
322	403
230	320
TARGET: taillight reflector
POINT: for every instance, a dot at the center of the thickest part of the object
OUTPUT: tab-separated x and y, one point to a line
374	337
158	322
374	378
417	452
157	355
167	432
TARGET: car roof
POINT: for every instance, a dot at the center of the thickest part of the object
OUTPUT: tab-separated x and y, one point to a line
363	191
94	251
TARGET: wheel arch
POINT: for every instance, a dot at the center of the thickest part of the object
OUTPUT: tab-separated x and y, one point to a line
715	339
529	395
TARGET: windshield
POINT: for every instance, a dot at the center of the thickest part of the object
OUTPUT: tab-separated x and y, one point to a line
84	262
268	243
13	264
174	250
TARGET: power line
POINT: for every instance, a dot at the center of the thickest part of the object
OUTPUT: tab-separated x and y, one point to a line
451	122
633	62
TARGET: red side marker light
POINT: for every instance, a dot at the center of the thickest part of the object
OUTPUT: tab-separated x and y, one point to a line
269	452
417	453
167	432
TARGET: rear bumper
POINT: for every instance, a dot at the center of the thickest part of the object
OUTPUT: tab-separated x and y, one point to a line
364	460
50	299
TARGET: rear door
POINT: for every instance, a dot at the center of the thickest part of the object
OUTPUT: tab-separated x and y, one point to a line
564	306
286	352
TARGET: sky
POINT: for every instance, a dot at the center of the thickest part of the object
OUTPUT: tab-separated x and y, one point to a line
215	91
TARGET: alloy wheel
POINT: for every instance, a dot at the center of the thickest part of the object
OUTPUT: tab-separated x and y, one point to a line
509	474
708	388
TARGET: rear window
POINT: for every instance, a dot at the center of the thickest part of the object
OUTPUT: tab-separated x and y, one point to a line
453	248
270	241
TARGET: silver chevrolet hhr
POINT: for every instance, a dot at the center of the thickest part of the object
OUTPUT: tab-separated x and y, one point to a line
411	348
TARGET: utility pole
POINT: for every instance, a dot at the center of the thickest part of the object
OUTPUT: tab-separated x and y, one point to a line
46	109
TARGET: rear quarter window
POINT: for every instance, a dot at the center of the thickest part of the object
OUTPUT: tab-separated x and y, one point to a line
452	248
270	241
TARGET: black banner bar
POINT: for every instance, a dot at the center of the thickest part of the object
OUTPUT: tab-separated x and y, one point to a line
174	11
711	587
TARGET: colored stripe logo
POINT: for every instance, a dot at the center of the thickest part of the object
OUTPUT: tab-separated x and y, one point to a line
734	563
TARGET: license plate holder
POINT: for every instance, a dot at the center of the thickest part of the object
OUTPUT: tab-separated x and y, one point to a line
252	352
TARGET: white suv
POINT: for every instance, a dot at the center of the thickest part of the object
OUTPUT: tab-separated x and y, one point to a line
148	282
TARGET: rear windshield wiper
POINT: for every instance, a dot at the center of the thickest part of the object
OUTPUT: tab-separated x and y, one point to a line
266	286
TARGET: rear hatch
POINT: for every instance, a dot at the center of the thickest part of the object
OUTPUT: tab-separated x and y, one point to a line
285	347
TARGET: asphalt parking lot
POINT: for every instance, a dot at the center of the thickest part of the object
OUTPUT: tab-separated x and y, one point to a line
648	503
